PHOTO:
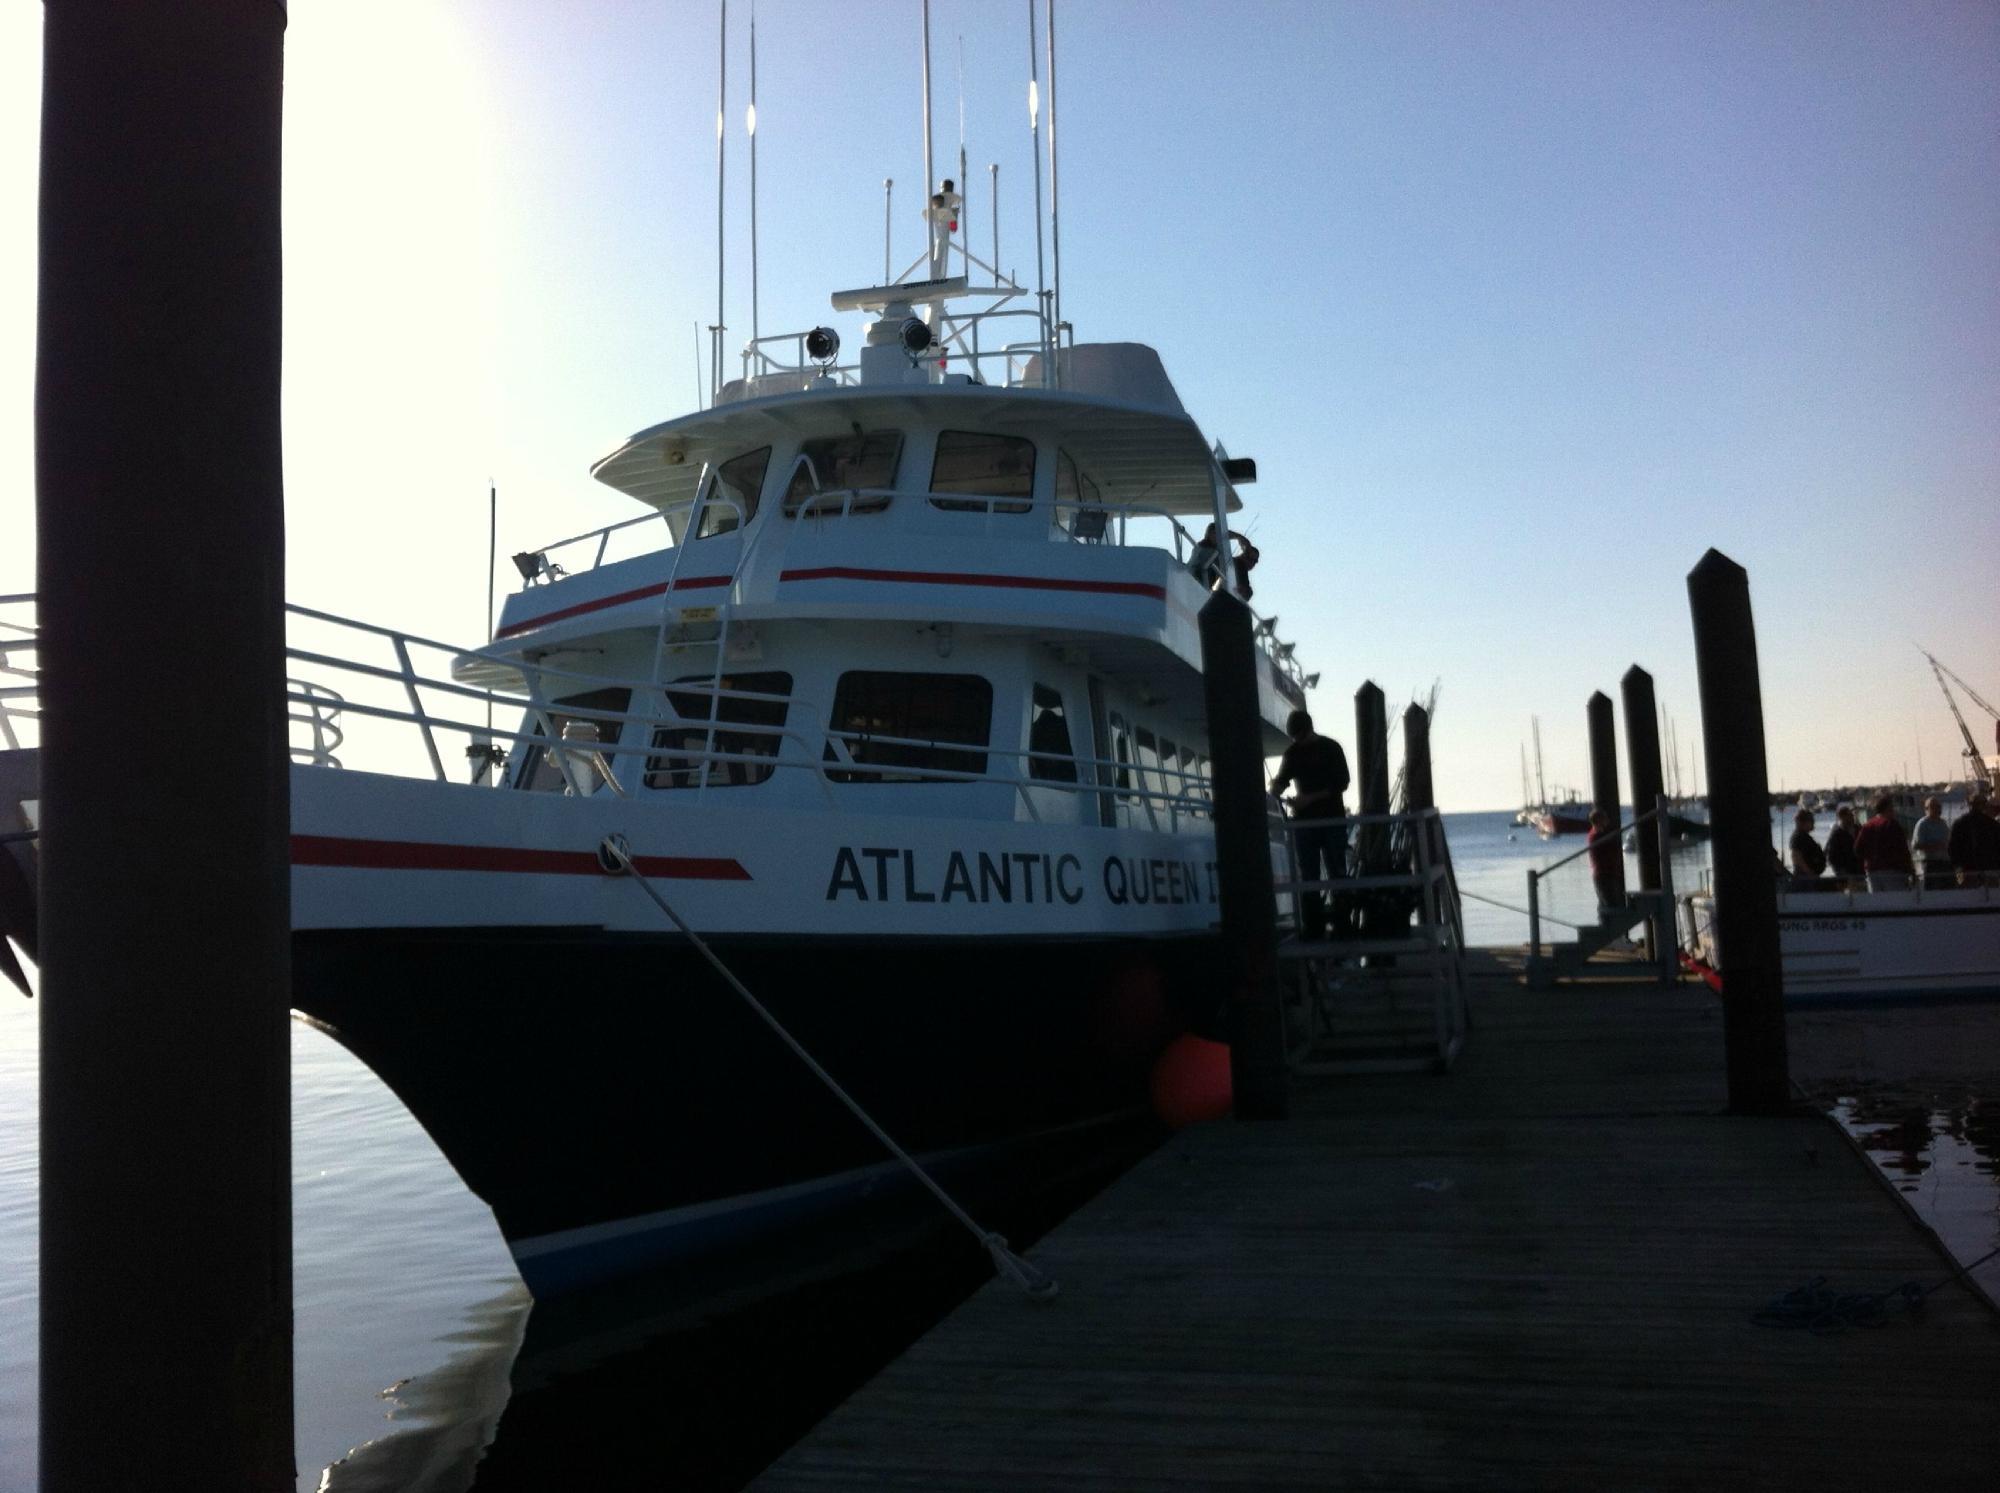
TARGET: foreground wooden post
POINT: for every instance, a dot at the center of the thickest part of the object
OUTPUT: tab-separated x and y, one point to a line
1642	760
1230	663
1604	784
1746	887
166	1286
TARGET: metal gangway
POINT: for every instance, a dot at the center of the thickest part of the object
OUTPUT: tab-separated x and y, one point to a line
1381	988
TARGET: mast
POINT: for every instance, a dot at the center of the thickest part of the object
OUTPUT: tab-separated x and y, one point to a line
751	122
721	108
1055	194
930	177
1035	151
1541	788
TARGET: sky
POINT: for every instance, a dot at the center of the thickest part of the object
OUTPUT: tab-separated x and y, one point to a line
1520	308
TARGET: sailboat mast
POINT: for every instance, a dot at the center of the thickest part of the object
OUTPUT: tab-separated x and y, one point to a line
1541	788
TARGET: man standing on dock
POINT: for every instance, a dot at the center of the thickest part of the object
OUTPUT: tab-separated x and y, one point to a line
1318	767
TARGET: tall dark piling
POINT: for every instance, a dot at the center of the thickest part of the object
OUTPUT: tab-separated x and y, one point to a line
1746	888
1243	859
166	1287
1418	792
1604	785
1371	777
1642	761
1371	784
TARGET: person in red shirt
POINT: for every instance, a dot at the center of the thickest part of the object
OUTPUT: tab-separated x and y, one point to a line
1883	848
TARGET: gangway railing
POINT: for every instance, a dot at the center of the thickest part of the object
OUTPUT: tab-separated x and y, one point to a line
1656	907
1412	940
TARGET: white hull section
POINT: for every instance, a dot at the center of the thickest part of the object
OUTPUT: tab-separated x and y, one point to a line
1881	947
371	851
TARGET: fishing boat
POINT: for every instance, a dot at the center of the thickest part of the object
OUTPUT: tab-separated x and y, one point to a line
892	689
1849	946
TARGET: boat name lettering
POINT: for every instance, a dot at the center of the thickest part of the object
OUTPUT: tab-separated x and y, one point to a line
1154	879
1822	925
887	873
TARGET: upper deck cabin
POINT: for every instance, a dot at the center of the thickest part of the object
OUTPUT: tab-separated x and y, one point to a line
1066	515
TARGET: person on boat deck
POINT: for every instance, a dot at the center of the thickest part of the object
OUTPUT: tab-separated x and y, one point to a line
1840	857
1808	860
1317	767
1928	842
1974	841
1607	860
1205	560
1883	849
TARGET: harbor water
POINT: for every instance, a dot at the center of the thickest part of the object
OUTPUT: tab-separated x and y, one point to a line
421	1365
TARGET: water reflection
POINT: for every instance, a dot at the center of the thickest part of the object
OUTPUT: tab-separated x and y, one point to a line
1919	1089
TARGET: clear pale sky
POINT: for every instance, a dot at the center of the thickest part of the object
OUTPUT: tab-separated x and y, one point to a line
1520	308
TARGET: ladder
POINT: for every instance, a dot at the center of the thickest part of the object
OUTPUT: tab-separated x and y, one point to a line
1389	996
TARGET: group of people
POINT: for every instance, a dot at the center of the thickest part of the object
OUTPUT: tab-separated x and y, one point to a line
1965	852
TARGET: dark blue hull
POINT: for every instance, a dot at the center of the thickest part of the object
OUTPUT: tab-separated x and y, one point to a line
620	1108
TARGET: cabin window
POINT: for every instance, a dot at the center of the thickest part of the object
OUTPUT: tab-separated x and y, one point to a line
844	463
681	750
996	472
1069	488
933	717
1149	761
732	503
1170	778
539	774
1051	758
1121	743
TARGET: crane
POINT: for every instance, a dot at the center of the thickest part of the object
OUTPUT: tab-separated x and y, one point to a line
1975	759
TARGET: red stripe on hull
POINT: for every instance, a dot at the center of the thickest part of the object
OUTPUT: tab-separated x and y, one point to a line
692	583
421	855
976	578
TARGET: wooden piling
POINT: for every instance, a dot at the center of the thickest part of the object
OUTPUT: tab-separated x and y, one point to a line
1642	761
1746	887
1604	786
166	1286
1243	858
1371	777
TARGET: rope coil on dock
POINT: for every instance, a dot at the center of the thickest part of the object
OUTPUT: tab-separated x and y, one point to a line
616	858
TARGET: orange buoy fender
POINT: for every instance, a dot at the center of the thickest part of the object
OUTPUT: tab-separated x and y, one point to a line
1191	1082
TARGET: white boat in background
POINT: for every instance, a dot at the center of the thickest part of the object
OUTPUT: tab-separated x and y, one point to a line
1853	947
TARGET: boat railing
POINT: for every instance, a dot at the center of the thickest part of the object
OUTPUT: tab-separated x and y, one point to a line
400	690
19	654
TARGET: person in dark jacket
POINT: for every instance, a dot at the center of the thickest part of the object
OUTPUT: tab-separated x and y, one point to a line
1974	842
1883	849
1840	857
1808	860
1316	768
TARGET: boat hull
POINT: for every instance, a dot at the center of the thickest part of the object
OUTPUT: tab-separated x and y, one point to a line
621	1108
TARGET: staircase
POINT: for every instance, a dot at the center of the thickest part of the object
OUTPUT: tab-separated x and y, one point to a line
1390	1000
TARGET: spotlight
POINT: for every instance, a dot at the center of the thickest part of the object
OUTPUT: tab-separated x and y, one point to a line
915	336
530	563
822	344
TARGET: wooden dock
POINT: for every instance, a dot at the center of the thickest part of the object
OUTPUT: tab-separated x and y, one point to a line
1538	1271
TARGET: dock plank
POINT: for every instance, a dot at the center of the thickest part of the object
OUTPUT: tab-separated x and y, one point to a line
1537	1271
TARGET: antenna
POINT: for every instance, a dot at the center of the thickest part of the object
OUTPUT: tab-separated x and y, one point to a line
492	564
1055	227
751	124
993	171
1035	150
964	185
888	201
697	362
930	180
721	102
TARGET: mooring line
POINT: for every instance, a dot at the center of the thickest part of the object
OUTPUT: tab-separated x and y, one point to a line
1039	1286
